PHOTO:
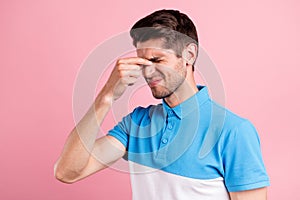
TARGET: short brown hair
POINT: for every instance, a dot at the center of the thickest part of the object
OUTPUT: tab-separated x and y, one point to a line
174	27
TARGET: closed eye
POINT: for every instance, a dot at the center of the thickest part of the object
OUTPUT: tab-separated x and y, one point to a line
155	60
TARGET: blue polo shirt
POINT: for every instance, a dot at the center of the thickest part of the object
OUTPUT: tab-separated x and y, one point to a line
196	149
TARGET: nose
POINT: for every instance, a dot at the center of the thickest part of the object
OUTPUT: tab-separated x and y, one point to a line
148	71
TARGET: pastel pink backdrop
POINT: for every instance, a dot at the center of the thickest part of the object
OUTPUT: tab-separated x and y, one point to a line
255	45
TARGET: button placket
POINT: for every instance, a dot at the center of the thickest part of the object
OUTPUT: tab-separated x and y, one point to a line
170	126
165	139
168	131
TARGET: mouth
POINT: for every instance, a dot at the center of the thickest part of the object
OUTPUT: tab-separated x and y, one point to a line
153	83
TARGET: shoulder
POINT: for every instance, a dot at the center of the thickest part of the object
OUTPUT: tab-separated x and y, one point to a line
226	117
234	129
221	127
232	126
142	115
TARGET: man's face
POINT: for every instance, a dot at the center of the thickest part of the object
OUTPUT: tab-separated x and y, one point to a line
167	73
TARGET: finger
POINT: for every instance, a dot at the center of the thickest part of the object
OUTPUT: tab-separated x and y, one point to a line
129	67
130	73
129	80
135	60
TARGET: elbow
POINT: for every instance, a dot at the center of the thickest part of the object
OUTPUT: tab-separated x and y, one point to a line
65	176
64	179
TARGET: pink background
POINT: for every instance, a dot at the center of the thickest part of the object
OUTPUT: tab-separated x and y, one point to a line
255	45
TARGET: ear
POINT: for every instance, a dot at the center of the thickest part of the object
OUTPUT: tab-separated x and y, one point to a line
189	53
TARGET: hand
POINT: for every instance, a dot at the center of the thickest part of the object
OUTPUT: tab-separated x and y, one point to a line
125	73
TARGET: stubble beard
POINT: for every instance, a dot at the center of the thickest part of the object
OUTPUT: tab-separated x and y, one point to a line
169	87
161	92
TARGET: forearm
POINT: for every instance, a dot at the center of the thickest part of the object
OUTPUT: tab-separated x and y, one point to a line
81	140
76	160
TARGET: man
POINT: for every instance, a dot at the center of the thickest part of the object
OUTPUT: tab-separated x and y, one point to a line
188	147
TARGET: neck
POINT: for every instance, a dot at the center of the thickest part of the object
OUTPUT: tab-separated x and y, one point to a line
187	89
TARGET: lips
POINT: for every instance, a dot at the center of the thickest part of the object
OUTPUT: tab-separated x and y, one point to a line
153	83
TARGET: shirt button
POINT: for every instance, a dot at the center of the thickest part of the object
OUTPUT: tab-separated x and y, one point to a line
170	112
170	126
164	140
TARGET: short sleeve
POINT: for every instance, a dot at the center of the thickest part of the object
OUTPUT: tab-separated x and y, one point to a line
120	131
242	159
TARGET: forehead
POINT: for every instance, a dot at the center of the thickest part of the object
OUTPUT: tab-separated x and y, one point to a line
152	47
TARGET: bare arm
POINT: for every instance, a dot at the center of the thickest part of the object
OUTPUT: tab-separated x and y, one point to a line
256	194
83	153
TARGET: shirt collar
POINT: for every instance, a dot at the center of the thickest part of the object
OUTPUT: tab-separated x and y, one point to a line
189	105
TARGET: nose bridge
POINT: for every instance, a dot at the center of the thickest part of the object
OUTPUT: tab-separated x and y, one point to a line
148	70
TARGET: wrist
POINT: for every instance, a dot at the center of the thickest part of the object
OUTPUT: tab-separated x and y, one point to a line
103	99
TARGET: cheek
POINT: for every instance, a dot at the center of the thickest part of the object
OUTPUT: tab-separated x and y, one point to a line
169	70
161	70
182	67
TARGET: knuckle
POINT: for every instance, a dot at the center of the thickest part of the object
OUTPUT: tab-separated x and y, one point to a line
119	66
119	61
119	69
123	81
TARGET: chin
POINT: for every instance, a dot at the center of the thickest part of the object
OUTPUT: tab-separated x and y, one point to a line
161	94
